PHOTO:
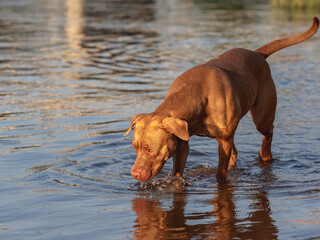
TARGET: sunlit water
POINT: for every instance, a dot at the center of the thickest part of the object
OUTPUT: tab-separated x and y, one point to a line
74	72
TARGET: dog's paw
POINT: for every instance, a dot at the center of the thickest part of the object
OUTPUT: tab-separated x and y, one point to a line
265	158
231	166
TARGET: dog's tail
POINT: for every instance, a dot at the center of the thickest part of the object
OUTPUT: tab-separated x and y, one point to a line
274	46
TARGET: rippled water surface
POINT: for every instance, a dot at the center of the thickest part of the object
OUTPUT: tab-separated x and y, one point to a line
74	72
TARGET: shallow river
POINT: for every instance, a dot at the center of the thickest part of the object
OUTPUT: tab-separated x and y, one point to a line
74	72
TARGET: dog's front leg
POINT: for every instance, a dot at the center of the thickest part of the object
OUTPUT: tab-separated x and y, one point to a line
233	158
180	157
225	148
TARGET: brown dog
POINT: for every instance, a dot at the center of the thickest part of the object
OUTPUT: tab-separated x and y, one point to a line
209	100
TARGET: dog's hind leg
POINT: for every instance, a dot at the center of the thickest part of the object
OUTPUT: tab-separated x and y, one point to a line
263	114
265	151
266	129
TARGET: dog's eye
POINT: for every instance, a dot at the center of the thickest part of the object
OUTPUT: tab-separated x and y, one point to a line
148	149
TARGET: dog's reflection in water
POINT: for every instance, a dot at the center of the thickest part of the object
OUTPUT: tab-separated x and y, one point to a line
157	221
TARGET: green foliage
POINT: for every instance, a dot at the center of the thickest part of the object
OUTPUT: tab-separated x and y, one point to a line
297	4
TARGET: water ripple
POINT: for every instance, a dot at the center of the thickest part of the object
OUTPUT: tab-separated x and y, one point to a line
74	72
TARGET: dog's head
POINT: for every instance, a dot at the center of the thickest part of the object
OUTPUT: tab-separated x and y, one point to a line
155	141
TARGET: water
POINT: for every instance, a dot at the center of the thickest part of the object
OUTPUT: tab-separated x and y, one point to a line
74	72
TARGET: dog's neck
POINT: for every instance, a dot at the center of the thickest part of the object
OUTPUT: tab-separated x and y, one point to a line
172	107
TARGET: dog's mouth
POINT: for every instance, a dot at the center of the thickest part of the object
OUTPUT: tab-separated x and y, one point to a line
155	173
146	174
141	173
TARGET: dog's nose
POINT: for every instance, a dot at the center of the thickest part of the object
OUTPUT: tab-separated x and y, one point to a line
140	173
135	173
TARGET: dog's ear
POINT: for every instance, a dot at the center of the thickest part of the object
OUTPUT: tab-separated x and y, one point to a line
133	122
176	126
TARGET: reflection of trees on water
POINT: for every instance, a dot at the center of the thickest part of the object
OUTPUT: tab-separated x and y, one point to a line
92	52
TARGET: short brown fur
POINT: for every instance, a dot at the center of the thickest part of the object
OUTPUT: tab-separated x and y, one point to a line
209	100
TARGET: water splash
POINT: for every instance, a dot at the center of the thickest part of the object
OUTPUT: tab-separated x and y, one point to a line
163	184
